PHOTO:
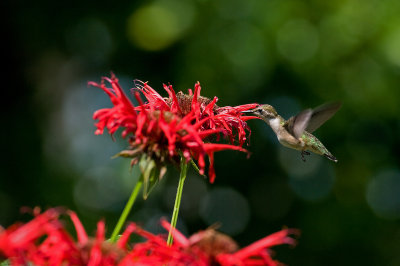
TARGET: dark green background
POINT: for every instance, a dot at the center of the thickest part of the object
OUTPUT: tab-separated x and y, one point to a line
291	54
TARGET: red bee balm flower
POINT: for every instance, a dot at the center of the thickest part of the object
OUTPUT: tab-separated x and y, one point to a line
229	120
207	247
162	129
44	241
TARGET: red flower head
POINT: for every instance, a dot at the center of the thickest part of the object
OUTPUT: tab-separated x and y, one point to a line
44	241
229	120
207	247
258	253
19	242
162	129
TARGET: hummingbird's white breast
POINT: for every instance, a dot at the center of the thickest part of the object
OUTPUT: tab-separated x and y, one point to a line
284	137
275	124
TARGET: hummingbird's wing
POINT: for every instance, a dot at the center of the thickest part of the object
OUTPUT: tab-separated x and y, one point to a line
297	124
321	114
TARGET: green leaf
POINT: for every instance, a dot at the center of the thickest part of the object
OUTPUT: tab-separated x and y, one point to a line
5	263
150	174
196	167
128	153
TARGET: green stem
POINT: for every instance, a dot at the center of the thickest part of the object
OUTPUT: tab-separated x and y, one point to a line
126	210
178	198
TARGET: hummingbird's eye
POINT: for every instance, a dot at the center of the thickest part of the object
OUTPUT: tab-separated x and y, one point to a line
259	111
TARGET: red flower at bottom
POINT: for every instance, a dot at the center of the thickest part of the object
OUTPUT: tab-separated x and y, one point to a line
44	241
207	247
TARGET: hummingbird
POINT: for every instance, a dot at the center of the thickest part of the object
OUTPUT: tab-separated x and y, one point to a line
296	132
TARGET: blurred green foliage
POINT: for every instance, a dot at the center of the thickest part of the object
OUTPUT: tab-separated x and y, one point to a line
291	54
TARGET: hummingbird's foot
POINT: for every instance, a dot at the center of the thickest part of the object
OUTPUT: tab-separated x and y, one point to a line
304	153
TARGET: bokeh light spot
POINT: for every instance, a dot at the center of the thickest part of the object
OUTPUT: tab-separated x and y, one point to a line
383	193
72	130
293	164
157	26
227	207
99	189
391	46
297	40
234	9
317	184
243	44
246	49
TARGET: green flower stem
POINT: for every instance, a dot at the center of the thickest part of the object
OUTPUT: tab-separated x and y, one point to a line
126	210
178	198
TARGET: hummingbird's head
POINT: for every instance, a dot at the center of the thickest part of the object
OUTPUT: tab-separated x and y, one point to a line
264	111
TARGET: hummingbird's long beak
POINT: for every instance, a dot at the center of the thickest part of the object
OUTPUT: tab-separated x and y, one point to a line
248	111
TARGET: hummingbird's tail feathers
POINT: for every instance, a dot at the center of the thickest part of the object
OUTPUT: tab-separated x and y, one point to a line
331	157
